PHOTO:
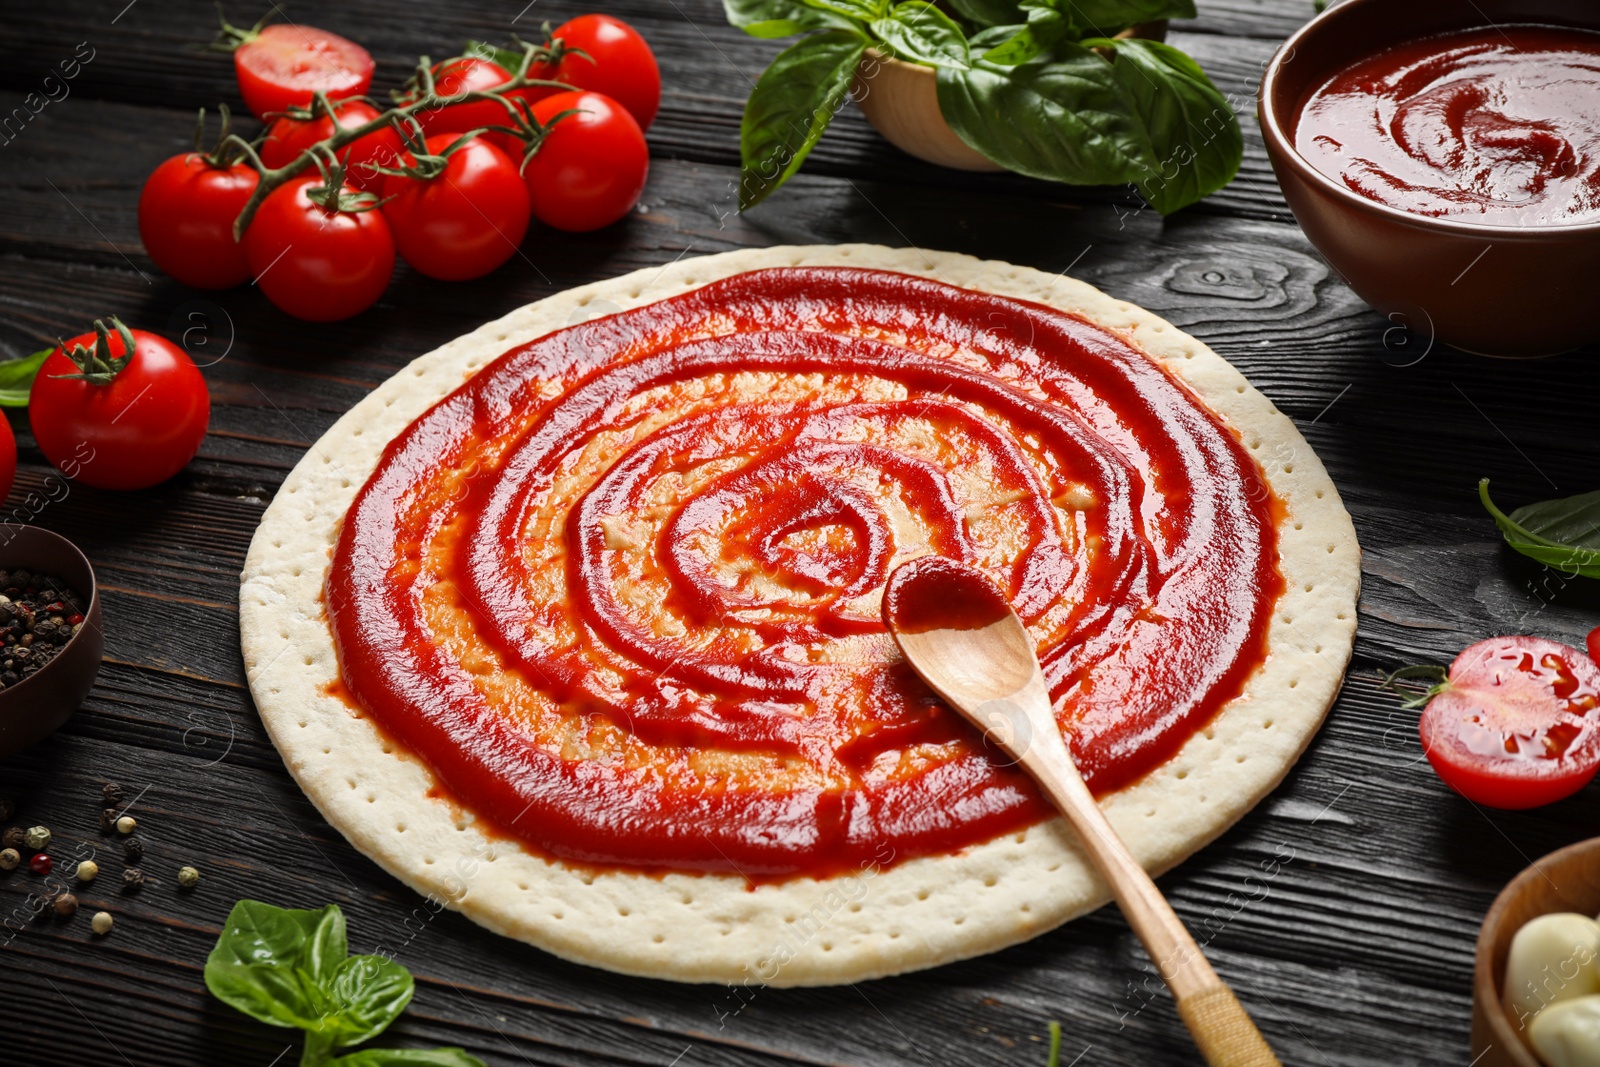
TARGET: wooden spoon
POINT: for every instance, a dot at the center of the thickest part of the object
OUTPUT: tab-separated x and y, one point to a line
959	633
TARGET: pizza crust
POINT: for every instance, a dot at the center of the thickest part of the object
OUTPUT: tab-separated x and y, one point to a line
886	918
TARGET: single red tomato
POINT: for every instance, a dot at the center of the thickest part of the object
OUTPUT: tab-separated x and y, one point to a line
466	221
463	75
1517	724
282	65
617	63
318	262
116	420
186	214
591	167
288	137
1594	644
8	458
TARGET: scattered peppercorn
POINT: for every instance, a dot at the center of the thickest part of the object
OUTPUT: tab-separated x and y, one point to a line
101	923
9	858
34	609
66	905
188	877
111	793
127	824
40	863
87	870
132	879
108	820
133	849
14	837
38	837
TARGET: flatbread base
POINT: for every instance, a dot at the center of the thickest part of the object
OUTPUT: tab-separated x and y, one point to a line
888	917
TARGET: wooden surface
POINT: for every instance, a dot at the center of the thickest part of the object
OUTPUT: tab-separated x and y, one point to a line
1342	910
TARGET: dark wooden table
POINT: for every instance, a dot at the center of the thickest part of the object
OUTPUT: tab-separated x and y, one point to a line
1358	950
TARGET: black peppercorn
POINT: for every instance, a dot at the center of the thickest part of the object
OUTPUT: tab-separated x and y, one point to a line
14	837
133	849
108	820
111	793
132	879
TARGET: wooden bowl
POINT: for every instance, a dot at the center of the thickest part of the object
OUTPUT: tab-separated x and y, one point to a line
1568	880
35	707
901	100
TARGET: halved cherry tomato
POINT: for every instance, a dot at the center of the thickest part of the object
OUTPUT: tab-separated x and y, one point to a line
465	222
186	213
1594	644
288	137
617	63
463	75
591	167
112	426
1517	724
282	65
316	263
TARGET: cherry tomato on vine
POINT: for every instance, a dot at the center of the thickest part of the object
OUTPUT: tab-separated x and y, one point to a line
119	408
1517	723
591	167
186	214
282	65
617	63
288	137
466	74
464	222
8	458
314	261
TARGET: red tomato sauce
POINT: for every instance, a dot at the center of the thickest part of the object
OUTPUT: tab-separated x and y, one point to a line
1129	528
1498	126
938	594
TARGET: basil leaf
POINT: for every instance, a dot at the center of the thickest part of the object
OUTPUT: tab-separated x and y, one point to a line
16	378
791	106
1195	145
278	996
505	57
260	934
1067	120
1104	18
989	12
861	10
408	1057
1563	533
1044	29
780	18
921	33
367	993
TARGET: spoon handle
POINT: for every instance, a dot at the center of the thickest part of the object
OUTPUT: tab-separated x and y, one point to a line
1221	1028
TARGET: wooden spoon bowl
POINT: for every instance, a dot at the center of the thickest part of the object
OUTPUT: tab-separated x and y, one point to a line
901	100
1567	880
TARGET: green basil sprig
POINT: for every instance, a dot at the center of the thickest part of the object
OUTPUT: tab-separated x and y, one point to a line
16	378
293	968
1041	87
1564	533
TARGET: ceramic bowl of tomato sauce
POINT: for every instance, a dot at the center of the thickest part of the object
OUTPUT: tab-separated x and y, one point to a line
1444	157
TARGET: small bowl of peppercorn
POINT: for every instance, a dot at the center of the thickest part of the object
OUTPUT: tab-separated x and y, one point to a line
51	636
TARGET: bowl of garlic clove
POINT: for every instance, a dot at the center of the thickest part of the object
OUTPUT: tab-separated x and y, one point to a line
1536	983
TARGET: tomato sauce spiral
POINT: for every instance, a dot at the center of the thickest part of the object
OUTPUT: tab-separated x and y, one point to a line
620	590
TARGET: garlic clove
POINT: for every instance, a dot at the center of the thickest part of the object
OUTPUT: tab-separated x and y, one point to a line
1567	1033
1553	958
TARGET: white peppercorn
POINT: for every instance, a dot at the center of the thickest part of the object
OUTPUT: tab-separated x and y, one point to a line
87	870
127	824
9	858
102	922
38	838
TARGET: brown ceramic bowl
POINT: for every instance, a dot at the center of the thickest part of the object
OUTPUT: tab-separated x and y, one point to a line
1497	290
35	708
1568	880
